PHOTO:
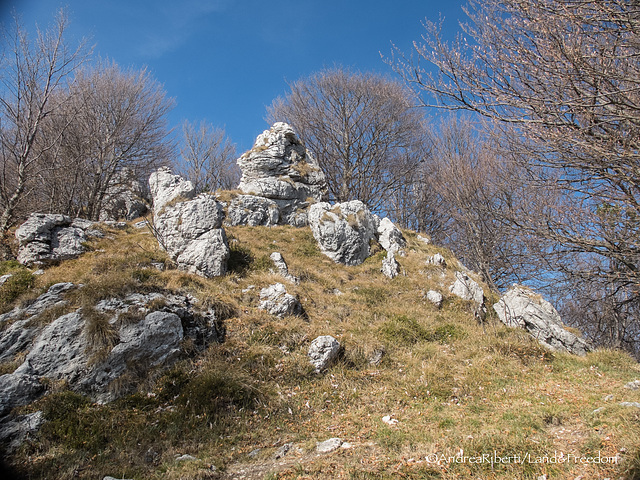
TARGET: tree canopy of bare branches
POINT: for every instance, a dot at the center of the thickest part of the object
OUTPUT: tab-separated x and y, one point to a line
208	158
362	129
33	71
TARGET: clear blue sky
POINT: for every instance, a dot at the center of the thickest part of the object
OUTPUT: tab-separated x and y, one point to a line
224	61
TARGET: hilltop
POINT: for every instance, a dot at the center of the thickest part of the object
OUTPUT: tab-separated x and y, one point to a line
413	383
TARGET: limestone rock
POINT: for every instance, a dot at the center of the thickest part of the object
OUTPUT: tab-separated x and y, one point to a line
323	351
191	233
522	308
124	198
49	238
437	260
343	231
390	266
17	389
329	446
277	301
435	298
14	431
280	168
167	187
282	269
390	236
253	211
467	289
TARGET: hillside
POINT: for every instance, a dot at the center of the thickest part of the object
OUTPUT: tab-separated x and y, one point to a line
252	406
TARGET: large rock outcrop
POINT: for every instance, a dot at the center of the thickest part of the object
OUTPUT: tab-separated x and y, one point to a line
189	230
124	198
343	231
48	238
101	351
253	211
281	169
522	308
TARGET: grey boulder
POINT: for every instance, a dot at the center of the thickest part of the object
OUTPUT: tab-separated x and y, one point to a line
343	231
323	351
522	308
275	300
253	211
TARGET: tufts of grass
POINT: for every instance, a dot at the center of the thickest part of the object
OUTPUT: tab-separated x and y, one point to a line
402	330
20	282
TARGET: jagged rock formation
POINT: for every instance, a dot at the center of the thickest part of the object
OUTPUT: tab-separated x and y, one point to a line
166	187
323	351
277	301
124	198
253	211
467	289
281	169
521	307
390	236
49	238
390	266
282	269
343	231
93	349
189	230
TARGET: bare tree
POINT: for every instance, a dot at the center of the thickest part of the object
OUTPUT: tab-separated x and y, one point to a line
362	129
117	124
564	75
32	74
208	158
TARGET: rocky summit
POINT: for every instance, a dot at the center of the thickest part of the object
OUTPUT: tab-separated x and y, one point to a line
228	338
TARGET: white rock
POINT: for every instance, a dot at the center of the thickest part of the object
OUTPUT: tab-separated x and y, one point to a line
166	187
437	260
389	420
275	300
329	446
343	231
522	308
390	266
390	236
435	298
323	351
253	211
467	289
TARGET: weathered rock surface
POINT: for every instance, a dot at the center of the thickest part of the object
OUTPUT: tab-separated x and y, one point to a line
166	187
390	266
282	269
390	236
522	308
323	351
15	431
280	168
329	445
467	289
343	231
437	260
124	198
434	297
191	230
48	238
277	301
253	211
93	349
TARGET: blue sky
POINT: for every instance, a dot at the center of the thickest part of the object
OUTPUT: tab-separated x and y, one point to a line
224	61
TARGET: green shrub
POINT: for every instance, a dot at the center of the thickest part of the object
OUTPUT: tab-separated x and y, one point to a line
19	283
403	330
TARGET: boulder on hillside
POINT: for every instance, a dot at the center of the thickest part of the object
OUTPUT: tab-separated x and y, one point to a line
390	236
281	169
275	300
166	187
343	231
522	308
323	351
253	211
189	230
390	266
124	198
467	289
94	349
49	238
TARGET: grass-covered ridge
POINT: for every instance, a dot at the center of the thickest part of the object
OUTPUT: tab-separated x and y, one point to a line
452	384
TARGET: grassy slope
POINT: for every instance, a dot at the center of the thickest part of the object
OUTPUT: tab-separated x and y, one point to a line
451	384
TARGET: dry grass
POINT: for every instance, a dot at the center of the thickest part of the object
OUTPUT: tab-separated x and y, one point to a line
452	384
